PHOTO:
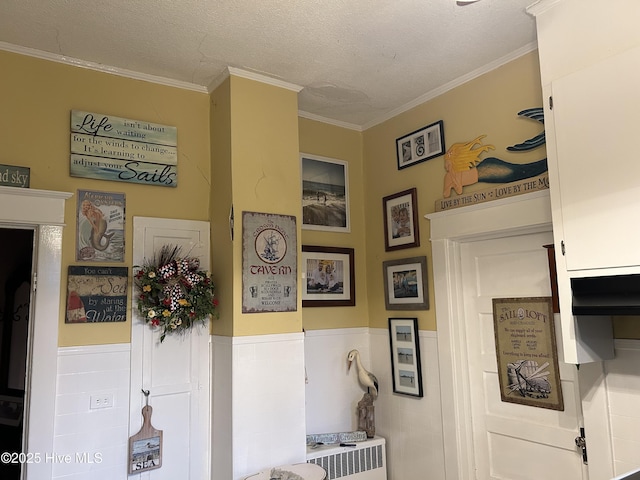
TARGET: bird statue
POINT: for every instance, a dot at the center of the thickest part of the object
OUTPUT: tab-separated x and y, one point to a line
366	379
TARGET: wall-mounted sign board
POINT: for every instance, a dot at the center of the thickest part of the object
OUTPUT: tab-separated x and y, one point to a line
12	176
119	149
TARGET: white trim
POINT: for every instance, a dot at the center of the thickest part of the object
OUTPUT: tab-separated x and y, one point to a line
452	84
44	211
500	218
121	72
258	77
329	121
272	338
541	6
337	331
94	349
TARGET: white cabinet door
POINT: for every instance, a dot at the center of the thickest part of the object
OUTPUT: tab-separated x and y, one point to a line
177	371
597	126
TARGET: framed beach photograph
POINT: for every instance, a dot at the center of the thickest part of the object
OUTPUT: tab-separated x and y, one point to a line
328	277
405	356
421	145
325	194
401	220
405	284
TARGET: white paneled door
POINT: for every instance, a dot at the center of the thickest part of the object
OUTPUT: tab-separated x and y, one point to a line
513	441
176	372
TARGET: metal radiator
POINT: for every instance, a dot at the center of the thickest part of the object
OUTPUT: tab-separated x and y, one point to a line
365	461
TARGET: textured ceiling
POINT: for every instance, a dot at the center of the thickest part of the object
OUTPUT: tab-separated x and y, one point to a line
357	61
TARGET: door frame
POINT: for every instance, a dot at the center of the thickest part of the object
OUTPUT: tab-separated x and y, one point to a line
44	211
519	215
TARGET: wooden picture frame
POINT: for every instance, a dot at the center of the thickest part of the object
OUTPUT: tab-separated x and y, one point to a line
526	352
423	144
325	194
329	277
405	284
406	367
401	220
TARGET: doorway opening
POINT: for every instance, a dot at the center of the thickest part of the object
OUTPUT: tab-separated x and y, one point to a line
16	273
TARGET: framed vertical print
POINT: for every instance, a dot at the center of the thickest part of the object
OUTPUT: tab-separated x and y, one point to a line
405	356
526	352
405	284
325	194
329	277
423	144
401	220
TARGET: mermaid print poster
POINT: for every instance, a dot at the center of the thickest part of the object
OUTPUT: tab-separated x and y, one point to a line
100	228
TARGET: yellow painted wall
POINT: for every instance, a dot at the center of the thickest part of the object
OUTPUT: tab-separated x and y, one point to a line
221	201
486	105
338	143
37	97
265	177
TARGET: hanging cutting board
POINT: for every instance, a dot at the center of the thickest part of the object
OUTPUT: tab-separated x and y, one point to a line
145	447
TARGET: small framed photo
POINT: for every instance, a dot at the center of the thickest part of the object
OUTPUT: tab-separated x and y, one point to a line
328	277
11	410
405	356
405	284
401	220
325	194
421	145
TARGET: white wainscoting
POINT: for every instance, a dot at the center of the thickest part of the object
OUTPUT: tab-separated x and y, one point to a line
623	394
332	392
412	426
92	443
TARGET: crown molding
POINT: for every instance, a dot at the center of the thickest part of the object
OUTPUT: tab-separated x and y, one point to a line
258	77
330	121
541	6
453	84
121	72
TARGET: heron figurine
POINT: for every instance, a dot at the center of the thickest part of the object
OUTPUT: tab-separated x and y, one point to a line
366	379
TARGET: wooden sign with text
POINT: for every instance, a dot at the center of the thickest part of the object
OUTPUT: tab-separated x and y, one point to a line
118	149
541	182
12	176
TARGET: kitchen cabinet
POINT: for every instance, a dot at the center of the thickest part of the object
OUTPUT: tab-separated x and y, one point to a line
596	120
589	52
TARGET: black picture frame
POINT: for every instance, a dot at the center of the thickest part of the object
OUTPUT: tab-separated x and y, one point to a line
421	145
405	284
401	226
406	367
329	276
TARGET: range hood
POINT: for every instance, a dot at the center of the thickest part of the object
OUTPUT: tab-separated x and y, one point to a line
609	295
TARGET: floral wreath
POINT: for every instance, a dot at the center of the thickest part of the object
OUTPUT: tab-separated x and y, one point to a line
173	294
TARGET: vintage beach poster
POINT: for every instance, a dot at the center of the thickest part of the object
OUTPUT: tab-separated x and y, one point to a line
100	226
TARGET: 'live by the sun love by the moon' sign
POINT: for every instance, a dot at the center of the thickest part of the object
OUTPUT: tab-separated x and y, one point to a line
118	149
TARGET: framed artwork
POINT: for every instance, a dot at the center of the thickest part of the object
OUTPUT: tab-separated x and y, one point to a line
325	194
526	351
405	284
11	410
421	145
401	220
329	277
405	356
